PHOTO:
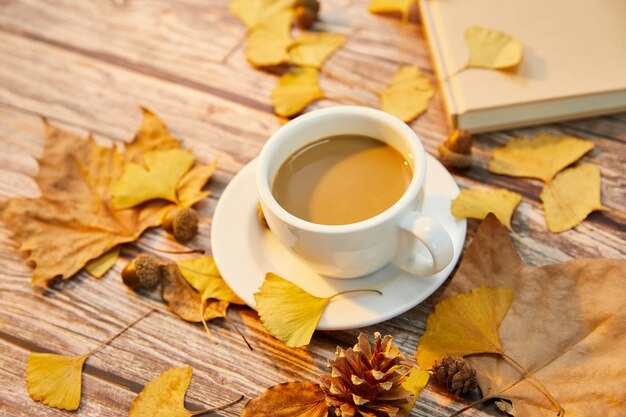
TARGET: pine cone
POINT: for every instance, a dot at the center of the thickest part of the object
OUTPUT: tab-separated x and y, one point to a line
455	374
367	383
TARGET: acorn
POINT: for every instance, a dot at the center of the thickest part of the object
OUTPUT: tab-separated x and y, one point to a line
305	12
142	272
456	151
182	223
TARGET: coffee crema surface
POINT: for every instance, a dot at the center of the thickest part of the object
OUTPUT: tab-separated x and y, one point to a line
341	180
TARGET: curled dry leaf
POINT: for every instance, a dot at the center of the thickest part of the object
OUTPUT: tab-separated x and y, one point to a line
313	50
490	48
407	96
540	157
184	300
385	6
296	90
566	324
101	265
55	380
293	399
465	324
571	197
268	40
157	180
74	221
478	203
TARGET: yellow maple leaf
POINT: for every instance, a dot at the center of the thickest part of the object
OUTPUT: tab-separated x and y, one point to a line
287	311
385	6
164	396
268	41
296	90
408	94
572	195
312	50
464	324
253	12
101	265
158	180
204	277
542	156
74	221
55	380
493	49
478	203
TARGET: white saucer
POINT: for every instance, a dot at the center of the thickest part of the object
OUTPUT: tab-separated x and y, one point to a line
245	251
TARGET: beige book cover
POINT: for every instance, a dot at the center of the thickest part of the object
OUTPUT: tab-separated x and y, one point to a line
573	64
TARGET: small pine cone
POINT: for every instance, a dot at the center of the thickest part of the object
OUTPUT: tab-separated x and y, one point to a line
455	374
182	223
365	382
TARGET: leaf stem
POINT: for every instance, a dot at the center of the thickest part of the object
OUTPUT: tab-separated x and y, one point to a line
353	291
128	326
175	252
232	323
204	323
536	382
197	413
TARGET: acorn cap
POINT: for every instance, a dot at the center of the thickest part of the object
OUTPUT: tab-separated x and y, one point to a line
313	5
182	223
142	272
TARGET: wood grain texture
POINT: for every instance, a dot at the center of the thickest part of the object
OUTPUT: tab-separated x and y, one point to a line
87	66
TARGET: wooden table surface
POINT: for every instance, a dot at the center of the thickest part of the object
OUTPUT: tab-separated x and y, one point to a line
88	65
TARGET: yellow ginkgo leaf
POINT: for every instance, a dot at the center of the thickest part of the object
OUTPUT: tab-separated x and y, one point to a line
385	6
164	396
55	380
313	50
464	324
296	90
408	94
190	186
571	196
268	41
540	157
203	275
478	203
287	311
490	48
100	266
415	384
159	179
253	12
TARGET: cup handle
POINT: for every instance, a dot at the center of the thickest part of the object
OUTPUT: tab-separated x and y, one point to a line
433	237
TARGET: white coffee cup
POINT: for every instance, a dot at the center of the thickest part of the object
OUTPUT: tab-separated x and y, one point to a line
401	234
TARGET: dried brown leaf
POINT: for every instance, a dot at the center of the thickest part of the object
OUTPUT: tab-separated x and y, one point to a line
293	399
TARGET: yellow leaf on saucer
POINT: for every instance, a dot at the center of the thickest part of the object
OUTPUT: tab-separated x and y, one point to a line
571	196
542	156
203	275
189	188
268	41
101	265
287	311
490	48
253	12
55	380
164	396
478	203
313	50
296	90
384	6
408	94
158	180
464	324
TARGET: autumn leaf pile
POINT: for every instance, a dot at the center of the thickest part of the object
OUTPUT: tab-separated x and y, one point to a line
95	198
